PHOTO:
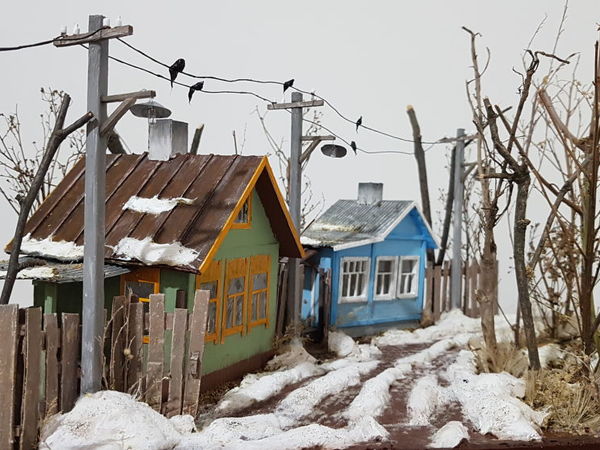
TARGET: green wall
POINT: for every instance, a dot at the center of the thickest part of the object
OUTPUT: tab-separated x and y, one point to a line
239	243
67	297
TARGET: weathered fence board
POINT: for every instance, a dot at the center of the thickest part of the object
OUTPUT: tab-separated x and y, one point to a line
52	346
175	400
135	332
117	342
195	351
156	351
437	282
70	353
446	301
32	343
9	337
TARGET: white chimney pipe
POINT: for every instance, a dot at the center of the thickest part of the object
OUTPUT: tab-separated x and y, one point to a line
167	138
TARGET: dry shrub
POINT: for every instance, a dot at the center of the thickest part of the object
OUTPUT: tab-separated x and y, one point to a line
504	358
569	396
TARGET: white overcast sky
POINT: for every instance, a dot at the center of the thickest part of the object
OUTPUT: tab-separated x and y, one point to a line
369	58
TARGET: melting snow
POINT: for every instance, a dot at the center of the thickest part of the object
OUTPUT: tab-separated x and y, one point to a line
449	436
424	400
149	252
155	205
39	272
61	250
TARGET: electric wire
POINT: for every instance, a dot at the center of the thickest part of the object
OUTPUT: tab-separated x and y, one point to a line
279	83
51	41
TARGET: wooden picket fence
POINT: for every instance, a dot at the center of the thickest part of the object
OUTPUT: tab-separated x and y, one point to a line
438	289
40	354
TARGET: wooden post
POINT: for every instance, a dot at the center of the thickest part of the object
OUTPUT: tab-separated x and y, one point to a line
9	334
193	371
93	253
120	308
447	306
135	332
326	304
427	317
437	284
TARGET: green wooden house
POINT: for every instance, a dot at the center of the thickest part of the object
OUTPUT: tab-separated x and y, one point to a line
193	221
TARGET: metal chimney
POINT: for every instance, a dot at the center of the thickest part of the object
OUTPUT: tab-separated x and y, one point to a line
370	193
167	138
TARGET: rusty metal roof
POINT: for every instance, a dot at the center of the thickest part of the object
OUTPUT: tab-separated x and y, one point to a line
215	183
349	223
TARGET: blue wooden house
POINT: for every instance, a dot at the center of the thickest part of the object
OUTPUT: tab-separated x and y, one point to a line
375	251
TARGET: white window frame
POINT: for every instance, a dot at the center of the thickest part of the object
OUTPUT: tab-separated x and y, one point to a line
416	283
364	295
392	293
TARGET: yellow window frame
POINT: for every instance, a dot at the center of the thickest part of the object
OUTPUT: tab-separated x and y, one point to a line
248	223
258	264
236	268
213	274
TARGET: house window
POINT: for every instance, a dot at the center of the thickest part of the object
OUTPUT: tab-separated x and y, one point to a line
244	215
408	282
354	279
385	278
235	296
210	281
259	291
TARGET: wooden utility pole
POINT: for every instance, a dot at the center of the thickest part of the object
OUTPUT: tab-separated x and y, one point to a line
294	196
98	131
456	274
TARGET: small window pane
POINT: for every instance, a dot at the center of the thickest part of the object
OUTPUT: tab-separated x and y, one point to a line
210	286
142	289
259	281
385	266
239	308
236	285
254	315
262	305
229	318
243	215
407	265
212	318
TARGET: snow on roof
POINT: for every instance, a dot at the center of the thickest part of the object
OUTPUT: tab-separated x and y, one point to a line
155	205
61	250
151	253
35	273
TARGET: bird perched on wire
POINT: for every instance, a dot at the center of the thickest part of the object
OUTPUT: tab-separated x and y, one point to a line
195	87
353	146
288	84
176	68
358	123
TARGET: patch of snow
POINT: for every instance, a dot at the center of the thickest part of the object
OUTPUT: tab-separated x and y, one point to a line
340	343
451	323
550	353
155	205
109	420
305	240
293	355
61	250
449	436
301	402
38	272
256	388
149	252
183	423
489	401
425	398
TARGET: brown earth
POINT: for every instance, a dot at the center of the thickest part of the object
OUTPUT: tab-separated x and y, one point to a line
395	417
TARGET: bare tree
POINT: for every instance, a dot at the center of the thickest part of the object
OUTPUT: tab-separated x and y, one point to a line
18	165
57	136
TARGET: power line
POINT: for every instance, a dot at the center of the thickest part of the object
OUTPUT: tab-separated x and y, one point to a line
51	41
278	83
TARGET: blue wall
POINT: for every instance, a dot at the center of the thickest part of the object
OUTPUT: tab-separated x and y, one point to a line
409	238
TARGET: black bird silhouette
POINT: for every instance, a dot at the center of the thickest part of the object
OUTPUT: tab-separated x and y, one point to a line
288	84
353	146
176	68
358	123
196	87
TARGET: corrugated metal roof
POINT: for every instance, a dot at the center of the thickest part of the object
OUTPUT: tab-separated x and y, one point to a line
349	221
61	272
216	184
